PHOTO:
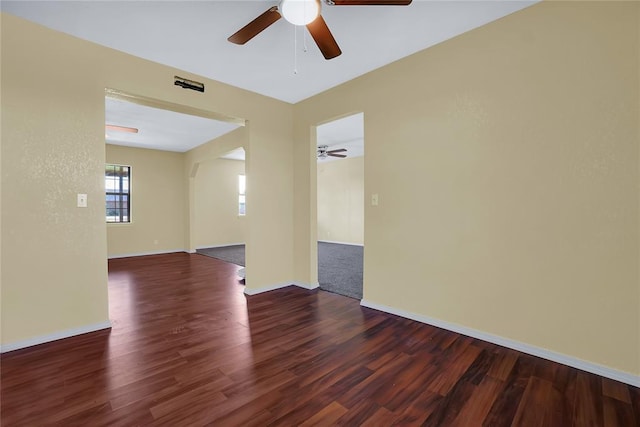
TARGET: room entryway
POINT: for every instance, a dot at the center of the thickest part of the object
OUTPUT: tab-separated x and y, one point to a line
340	205
220	208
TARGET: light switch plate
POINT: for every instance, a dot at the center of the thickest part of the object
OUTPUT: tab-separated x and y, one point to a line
374	200
82	200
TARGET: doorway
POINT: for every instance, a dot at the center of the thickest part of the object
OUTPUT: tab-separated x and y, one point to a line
340	204
220	208
160	144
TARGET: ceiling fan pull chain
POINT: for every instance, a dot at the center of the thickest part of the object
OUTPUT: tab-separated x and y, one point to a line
295	51
304	40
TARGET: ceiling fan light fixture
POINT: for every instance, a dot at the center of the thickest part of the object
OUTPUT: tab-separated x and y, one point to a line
300	12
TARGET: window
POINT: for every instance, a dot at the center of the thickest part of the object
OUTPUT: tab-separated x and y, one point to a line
242	185
116	182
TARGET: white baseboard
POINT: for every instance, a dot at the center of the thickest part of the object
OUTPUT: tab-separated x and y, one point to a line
341	243
166	251
308	286
220	246
279	286
564	359
267	288
54	336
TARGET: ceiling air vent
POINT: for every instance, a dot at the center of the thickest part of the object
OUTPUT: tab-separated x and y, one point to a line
188	84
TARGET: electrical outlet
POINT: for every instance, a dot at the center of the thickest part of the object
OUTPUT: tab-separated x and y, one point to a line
374	200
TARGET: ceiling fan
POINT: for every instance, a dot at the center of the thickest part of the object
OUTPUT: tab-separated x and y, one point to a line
323	153
306	12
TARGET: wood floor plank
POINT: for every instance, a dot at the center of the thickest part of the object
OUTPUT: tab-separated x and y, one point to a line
588	405
451	404
326	416
382	417
535	401
419	409
479	403
188	348
505	406
616	390
454	369
379	379
360	413
618	413
634	392
398	392
503	364
412	390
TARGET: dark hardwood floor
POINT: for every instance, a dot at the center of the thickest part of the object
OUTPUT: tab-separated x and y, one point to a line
188	348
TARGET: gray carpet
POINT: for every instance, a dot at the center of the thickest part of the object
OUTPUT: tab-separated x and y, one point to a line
339	266
340	269
233	254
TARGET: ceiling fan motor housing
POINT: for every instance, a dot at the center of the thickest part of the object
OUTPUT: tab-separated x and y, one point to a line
322	151
300	12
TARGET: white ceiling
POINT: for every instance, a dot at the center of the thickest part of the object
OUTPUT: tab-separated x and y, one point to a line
171	131
347	132
160	129
192	36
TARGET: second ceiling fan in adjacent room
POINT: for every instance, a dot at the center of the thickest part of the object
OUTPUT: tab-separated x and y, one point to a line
308	13
324	152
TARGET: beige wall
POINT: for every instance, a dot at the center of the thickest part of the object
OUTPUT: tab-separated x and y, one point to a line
341	200
160	204
53	254
506	161
217	222
54	268
197	159
157	202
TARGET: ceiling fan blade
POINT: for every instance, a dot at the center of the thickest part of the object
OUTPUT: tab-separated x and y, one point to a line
256	26
337	155
323	38
120	128
369	2
339	150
